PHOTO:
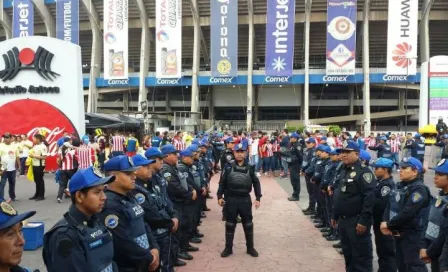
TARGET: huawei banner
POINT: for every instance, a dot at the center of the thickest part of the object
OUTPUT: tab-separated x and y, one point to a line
280	37
22	18
115	39
224	38
341	37
168	38
402	37
67	20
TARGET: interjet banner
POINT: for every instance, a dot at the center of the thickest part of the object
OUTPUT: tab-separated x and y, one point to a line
402	37
115	39
280	37
169	38
22	18
67	20
341	37
224	38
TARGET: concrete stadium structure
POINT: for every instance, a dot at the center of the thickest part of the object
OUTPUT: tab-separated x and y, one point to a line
308	95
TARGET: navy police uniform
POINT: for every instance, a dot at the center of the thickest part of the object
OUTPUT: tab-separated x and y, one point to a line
326	185
294	160
317	178
79	242
417	148
353	204
307	169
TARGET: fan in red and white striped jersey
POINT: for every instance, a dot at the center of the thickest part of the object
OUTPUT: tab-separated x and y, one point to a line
117	143
68	161
177	142
85	155
395	145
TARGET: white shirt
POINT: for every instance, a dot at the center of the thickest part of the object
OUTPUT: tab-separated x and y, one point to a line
331	142
8	156
254	147
39	150
25	148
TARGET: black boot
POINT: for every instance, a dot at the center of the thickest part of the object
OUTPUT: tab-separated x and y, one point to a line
249	233
230	233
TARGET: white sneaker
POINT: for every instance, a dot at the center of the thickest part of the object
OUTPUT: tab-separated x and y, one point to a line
258	174
59	200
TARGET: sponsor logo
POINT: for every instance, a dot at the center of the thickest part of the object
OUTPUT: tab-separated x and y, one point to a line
221	80
51	136
27	59
161	81
395	78
272	79
118	81
25	17
335	78
400	55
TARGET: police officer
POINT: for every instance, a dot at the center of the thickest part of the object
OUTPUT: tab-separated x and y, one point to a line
135	248
335	184
406	214
227	157
308	155
320	191
326	184
11	238
294	160
236	184
365	157
441	127
437	229
197	170
353	205
383	149
180	194
218	147
208	170
417	148
80	242
385	245
162	220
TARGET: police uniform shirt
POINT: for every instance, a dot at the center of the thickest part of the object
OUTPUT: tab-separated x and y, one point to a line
438	234
382	194
65	251
186	172
308	155
355	196
296	155
122	215
177	192
223	188
329	173
159	186
227	158
21	269
320	169
309	171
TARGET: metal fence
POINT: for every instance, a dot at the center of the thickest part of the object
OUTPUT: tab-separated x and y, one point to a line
259	125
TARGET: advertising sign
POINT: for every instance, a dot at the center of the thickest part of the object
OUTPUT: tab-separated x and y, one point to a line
67	20
402	37
168	38
280	37
341	37
438	89
224	38
39	92
22	18
115	39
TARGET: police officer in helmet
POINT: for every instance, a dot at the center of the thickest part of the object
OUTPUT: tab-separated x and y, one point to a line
236	184
227	158
353	204
295	162
80	242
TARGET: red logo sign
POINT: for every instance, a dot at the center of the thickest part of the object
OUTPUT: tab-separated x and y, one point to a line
400	55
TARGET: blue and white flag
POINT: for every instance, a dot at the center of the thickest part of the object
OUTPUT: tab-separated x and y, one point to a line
67	20
22	18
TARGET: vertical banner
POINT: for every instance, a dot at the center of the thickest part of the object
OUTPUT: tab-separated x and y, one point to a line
67	20
22	18
438	89
115	39
168	38
341	37
402	34
224	38
280	37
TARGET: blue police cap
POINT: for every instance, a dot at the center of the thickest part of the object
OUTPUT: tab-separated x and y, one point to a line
139	160
9	216
230	140
311	140
203	144
120	163
186	153
206	134
412	162
364	155
323	138
324	148
351	146
240	147
383	138
445	136
168	149
442	167
86	178
154	152
334	152
383	163
295	135
417	135
194	148
195	141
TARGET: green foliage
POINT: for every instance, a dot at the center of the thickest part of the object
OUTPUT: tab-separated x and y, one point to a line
299	129
335	129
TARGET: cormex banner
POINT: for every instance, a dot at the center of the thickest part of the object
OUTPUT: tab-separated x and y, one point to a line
341	37
402	37
22	18
116	39
168	38
224	38
67	20
280	38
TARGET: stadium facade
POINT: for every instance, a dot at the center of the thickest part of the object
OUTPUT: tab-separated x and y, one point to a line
310	91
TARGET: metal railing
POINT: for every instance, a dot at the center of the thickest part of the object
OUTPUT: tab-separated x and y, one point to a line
259	125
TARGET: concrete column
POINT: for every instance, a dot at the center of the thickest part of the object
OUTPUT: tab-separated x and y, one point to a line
126	102
351	97
401	99
95	63
211	104
168	99
366	68
306	93
250	66
196	60
5	21
256	98
49	20
423	115
144	54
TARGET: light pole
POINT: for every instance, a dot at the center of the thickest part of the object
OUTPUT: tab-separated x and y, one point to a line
408	59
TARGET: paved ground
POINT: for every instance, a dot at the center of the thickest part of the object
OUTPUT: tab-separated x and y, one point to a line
284	237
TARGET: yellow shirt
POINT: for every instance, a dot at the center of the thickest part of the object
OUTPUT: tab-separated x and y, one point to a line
39	150
8	156
188	139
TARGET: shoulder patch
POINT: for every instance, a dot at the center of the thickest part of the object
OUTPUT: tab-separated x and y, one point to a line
416	197
111	221
368	177
167	176
229	158
385	191
140	198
